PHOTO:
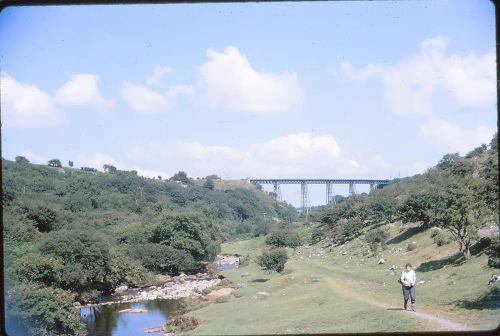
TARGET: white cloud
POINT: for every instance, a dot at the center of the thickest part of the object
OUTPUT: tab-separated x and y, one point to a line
34	158
453	138
82	91
158	74
230	82
97	161
27	106
411	84
295	155
142	99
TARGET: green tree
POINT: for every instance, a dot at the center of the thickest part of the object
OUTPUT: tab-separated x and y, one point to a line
447	161
209	184
84	256
181	177
459	209
191	231
71	163
44	217
22	159
164	259
55	163
418	208
109	168
284	237
273	260
42	310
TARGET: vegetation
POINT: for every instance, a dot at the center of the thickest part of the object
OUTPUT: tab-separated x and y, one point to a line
72	235
459	195
273	260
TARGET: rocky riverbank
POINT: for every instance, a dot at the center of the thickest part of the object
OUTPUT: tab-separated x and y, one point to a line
176	287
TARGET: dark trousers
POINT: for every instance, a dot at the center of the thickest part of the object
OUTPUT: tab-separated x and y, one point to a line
407	293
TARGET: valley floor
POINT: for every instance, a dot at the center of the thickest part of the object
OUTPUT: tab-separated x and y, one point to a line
325	290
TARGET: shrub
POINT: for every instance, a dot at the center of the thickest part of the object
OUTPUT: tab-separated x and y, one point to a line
375	238
493	252
42	311
435	232
164	259
84	257
440	239
183	323
273	260
284	238
411	246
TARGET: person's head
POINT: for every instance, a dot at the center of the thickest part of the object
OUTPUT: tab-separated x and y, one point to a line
408	266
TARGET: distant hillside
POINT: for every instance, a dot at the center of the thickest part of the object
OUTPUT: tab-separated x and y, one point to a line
72	234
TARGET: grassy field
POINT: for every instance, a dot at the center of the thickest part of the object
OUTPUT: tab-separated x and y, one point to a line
343	290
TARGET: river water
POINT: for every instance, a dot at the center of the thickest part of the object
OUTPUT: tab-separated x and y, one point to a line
108	321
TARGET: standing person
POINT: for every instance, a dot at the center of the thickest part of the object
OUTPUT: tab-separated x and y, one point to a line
408	280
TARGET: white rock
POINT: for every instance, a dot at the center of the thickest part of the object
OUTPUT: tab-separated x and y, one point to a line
381	261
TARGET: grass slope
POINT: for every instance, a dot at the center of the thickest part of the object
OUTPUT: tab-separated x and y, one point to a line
324	290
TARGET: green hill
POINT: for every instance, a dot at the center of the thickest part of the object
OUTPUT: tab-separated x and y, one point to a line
73	234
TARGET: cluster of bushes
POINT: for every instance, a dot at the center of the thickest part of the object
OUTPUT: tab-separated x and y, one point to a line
459	194
72	236
273	260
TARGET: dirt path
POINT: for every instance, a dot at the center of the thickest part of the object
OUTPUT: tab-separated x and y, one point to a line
341	287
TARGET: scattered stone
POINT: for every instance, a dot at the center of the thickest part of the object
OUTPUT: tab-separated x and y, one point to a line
137	311
381	261
121	289
245	275
421	282
263	295
344	253
393	268
153	330
77	304
494	278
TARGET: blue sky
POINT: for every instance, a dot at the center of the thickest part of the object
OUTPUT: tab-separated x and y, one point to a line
322	89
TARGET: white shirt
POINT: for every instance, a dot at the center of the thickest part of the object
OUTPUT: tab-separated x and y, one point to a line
409	276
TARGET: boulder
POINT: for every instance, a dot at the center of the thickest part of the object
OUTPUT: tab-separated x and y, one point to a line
223	292
263	295
494	278
77	304
121	289
381	261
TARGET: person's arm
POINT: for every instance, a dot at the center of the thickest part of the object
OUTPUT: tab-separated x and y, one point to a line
403	279
414	279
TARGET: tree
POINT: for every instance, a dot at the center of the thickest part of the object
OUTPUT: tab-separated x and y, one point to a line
159	177
22	160
447	161
109	168
43	217
164	259
181	177
55	163
71	163
284	237
273	260
209	184
418	208
212	177
191	231
83	255
41	310
459	209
